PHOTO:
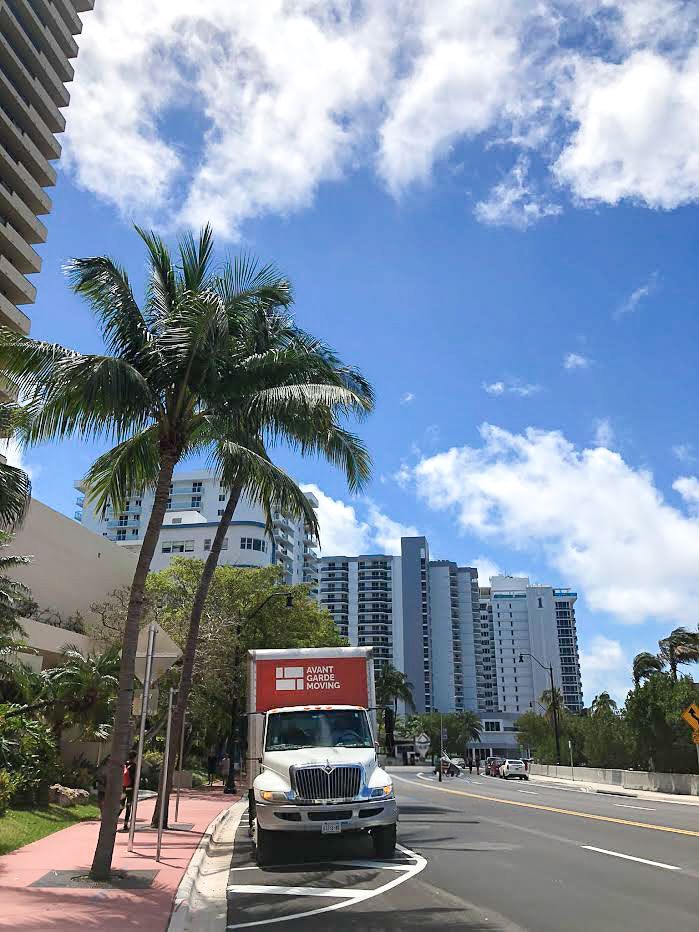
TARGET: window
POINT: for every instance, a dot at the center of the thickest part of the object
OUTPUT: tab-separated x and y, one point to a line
224	545
196	501
254	543
222	498
123	520
178	546
121	533
491	726
220	512
196	487
207	543
134	532
138	502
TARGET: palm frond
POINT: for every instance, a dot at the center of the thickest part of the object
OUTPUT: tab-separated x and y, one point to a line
15	495
106	287
29	364
195	256
162	280
245	282
132	464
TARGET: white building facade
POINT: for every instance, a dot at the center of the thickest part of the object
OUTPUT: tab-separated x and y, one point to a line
463	647
197	501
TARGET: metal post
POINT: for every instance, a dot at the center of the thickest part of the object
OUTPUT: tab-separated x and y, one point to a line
570	748
150	650
554	709
179	782
166	761
441	746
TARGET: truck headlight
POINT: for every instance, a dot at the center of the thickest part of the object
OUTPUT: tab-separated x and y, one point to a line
381	792
269	796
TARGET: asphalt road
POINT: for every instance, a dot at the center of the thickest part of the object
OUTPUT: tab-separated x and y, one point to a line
484	853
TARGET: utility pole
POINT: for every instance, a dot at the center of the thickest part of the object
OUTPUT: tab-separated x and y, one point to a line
554	701
441	745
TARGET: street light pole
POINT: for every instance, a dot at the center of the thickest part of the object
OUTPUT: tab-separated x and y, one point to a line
230	786
554	701
441	745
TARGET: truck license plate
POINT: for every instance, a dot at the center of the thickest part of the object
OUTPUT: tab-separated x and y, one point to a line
330	828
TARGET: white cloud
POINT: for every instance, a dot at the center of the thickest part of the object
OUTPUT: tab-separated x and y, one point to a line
605	435
576	361
605	667
630	304
601	524
14	454
514	202
688	488
513	387
684	452
223	111
407	398
344	532
486	568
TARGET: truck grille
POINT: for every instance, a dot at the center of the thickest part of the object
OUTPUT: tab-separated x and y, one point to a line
342	782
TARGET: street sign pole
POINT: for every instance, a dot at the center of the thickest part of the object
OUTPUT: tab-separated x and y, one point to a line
570	748
166	761
441	746
152	629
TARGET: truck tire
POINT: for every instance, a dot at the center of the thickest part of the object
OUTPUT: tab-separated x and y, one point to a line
384	839
263	846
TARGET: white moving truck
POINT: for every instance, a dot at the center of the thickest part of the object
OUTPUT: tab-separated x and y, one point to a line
312	748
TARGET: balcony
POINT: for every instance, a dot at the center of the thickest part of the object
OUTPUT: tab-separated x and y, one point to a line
14	285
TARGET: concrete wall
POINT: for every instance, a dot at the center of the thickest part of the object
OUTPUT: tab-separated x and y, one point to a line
681	783
71	567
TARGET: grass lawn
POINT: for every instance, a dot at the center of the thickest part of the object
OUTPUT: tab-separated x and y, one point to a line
19	827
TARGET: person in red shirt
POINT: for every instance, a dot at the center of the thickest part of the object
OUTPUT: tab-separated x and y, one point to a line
128	787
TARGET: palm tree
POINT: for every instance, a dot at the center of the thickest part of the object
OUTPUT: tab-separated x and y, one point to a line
15	598
603	705
159	392
645	665
679	647
15	486
301	387
82	689
552	703
392	687
469	726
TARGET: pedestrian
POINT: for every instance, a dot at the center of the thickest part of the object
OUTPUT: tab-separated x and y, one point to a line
211	765
478	766
225	769
128	785
470	765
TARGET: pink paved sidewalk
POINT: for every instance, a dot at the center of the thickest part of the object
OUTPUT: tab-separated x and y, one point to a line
61	909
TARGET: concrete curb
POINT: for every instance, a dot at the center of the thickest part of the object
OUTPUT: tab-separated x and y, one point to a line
192	906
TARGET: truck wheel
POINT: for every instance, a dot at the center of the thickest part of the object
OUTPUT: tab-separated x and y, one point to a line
385	842
263	846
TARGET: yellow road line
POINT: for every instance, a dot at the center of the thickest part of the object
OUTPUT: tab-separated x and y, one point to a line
571	812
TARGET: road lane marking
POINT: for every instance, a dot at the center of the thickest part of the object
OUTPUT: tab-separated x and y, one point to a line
347	898
528	792
628	857
572	812
334	893
626	806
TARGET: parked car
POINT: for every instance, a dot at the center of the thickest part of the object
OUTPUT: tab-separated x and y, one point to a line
513	768
492	766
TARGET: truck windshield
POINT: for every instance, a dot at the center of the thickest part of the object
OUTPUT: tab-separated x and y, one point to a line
326	728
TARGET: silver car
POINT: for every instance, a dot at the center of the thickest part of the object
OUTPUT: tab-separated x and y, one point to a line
513	768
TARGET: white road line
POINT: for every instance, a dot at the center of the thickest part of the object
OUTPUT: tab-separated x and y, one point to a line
625	806
374	865
357	895
335	893
628	857
528	792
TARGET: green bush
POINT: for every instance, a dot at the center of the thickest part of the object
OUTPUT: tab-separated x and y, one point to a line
198	779
28	752
150	772
6	791
78	774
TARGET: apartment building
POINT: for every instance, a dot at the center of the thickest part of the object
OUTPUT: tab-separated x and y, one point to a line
196	503
36	46
463	647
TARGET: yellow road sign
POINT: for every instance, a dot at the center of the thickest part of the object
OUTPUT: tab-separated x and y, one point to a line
695	737
691	716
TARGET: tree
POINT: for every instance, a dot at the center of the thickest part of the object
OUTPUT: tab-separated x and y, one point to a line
158	392
392	687
301	387
229	629
460	728
679	647
15	485
82	690
653	713
645	664
603	705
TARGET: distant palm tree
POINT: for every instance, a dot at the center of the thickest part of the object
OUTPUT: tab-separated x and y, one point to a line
393	687
469	726
603	704
679	647
83	688
552	701
645	665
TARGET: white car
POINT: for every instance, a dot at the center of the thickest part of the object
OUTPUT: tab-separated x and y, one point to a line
513	768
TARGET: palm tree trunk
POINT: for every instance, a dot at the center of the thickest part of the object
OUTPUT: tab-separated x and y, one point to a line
121	736
190	648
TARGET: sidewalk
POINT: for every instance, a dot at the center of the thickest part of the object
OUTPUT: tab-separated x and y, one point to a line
609	789
66	909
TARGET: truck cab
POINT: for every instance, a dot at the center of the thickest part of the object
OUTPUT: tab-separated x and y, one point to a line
317	772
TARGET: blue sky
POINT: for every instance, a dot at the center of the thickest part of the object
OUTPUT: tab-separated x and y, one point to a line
496	223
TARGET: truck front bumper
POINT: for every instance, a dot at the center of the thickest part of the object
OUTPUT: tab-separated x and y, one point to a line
354	817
